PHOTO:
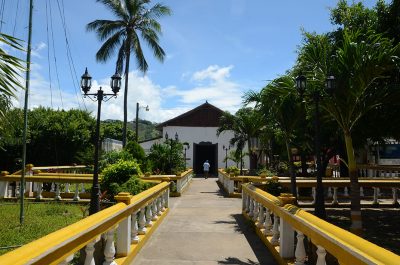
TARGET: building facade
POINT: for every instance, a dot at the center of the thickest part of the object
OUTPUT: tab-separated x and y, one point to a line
198	127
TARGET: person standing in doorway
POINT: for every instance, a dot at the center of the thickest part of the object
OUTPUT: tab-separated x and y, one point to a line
206	169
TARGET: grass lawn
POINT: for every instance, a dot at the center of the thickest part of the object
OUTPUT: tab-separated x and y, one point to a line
40	220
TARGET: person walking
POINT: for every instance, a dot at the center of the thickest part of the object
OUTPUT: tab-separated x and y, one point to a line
206	169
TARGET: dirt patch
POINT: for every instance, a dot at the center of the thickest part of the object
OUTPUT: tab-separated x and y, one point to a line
380	226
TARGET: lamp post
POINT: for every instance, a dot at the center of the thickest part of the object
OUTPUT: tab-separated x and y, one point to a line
170	142
137	120
186	146
301	84
226	154
86	83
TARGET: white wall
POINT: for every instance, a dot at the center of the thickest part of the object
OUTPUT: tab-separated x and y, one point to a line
203	134
147	145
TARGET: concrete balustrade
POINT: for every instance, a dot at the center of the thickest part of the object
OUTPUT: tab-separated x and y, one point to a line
121	219
36	176
373	185
180	181
290	223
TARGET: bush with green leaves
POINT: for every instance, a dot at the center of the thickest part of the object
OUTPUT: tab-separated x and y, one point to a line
266	172
274	187
233	169
113	157
123	176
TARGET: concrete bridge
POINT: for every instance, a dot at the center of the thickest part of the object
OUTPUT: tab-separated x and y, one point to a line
204	227
201	227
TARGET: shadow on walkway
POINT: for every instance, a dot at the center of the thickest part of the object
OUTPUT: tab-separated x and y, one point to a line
232	260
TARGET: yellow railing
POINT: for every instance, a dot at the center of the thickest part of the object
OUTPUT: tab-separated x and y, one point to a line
233	184
277	224
36	176
133	219
180	181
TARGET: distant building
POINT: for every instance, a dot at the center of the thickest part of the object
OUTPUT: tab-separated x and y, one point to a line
110	144
198	127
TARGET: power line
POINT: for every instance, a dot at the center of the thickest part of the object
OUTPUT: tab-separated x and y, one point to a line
71	64
2	14
16	16
48	56
54	54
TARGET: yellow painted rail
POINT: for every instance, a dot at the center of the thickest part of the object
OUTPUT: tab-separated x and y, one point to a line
179	182
267	211
146	209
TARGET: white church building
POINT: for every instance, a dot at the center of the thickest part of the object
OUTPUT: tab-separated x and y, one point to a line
198	127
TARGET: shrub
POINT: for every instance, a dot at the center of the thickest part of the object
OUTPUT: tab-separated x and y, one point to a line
135	150
134	185
274	187
113	157
233	169
266	172
119	173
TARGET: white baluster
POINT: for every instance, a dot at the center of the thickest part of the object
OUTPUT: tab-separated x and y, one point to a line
286	242
268	223
261	217
244	198
89	259
395	196
66	187
251	207
134	228
109	249
76	194
53	187
248	201
142	221
124	234
379	192
313	194
329	192
148	216
82	187
375	201
335	200
166	199
153	207
57	197
159	203
300	252
39	187
321	253
275	231
346	191
255	210
361	191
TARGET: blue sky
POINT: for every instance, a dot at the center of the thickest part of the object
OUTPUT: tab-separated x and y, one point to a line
216	50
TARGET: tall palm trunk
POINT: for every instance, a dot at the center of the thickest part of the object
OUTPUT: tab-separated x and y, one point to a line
128	55
293	185
356	221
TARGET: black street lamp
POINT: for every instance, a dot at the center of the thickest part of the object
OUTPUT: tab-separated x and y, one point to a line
186	146
301	83
226	154
86	83
137	120
170	142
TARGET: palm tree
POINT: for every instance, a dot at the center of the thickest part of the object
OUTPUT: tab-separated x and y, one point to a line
245	124
362	64
280	106
136	22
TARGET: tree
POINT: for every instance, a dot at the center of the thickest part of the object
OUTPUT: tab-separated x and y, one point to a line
279	104
9	67
245	124
361	63
133	17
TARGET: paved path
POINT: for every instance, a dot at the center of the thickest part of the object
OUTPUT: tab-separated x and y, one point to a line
205	228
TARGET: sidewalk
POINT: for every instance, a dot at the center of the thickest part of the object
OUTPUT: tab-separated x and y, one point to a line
205	228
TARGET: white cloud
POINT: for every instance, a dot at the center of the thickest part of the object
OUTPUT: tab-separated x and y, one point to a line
217	89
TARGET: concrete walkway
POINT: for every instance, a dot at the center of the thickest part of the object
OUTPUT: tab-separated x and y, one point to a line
204	227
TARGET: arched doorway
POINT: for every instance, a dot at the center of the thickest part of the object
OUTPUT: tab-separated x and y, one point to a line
205	151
